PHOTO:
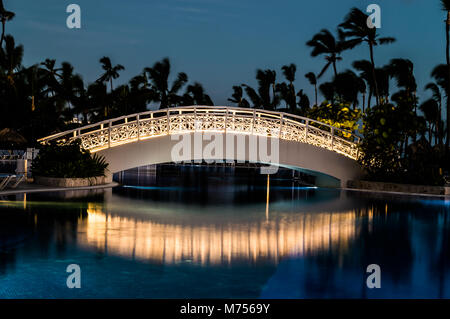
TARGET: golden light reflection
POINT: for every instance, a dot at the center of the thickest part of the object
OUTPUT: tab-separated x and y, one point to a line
216	243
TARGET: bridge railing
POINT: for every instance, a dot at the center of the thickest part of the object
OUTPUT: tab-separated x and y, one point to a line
179	120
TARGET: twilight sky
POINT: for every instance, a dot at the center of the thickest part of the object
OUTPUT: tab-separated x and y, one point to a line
219	43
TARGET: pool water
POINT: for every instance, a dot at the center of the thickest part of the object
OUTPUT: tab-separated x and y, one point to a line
200	235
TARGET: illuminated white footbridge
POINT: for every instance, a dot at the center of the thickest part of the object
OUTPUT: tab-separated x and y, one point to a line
145	138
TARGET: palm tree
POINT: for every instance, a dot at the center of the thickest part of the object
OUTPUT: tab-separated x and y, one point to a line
195	94
287	91
159	79
356	31
430	109
67	85
437	96
4	17
238	97
382	76
50	75
257	101
141	92
303	102
348	86
402	70
111	72
441	76
268	78
266	96
313	81
10	59
328	90
446	7
324	42
80	99
365	72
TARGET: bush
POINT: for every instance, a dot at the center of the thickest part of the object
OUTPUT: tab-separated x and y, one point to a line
68	161
338	115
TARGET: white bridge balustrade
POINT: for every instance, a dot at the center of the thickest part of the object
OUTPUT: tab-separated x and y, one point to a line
107	136
179	120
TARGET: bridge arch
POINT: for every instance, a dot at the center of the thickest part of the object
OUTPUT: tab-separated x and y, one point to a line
147	138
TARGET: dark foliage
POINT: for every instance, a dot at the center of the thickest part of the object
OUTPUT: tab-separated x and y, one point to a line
68	161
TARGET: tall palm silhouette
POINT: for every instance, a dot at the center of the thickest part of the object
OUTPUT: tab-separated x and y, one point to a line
324	43
313	81
365	72
356	31
430	110
287	90
437	96
303	102
442	78
195	94
159	80
5	16
446	7
402	70
266	96
50	76
348	86
11	59
238	97
111	72
68	85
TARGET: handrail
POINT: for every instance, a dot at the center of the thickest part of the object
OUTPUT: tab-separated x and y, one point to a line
129	128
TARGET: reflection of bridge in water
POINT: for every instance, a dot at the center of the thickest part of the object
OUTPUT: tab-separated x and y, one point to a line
207	242
146	138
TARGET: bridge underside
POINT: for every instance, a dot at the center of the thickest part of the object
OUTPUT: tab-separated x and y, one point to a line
330	168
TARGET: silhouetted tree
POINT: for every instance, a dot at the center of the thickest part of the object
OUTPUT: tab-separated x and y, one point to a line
356	31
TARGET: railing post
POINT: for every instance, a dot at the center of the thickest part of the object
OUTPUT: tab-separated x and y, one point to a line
332	138
254	119
226	121
306	131
234	120
168	121
138	127
195	119
109	134
281	124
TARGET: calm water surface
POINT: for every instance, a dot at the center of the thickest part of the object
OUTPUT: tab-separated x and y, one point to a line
201	235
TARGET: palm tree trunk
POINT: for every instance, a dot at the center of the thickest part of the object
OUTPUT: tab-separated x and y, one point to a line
3	32
364	103
315	92
430	136
374	76
334	68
